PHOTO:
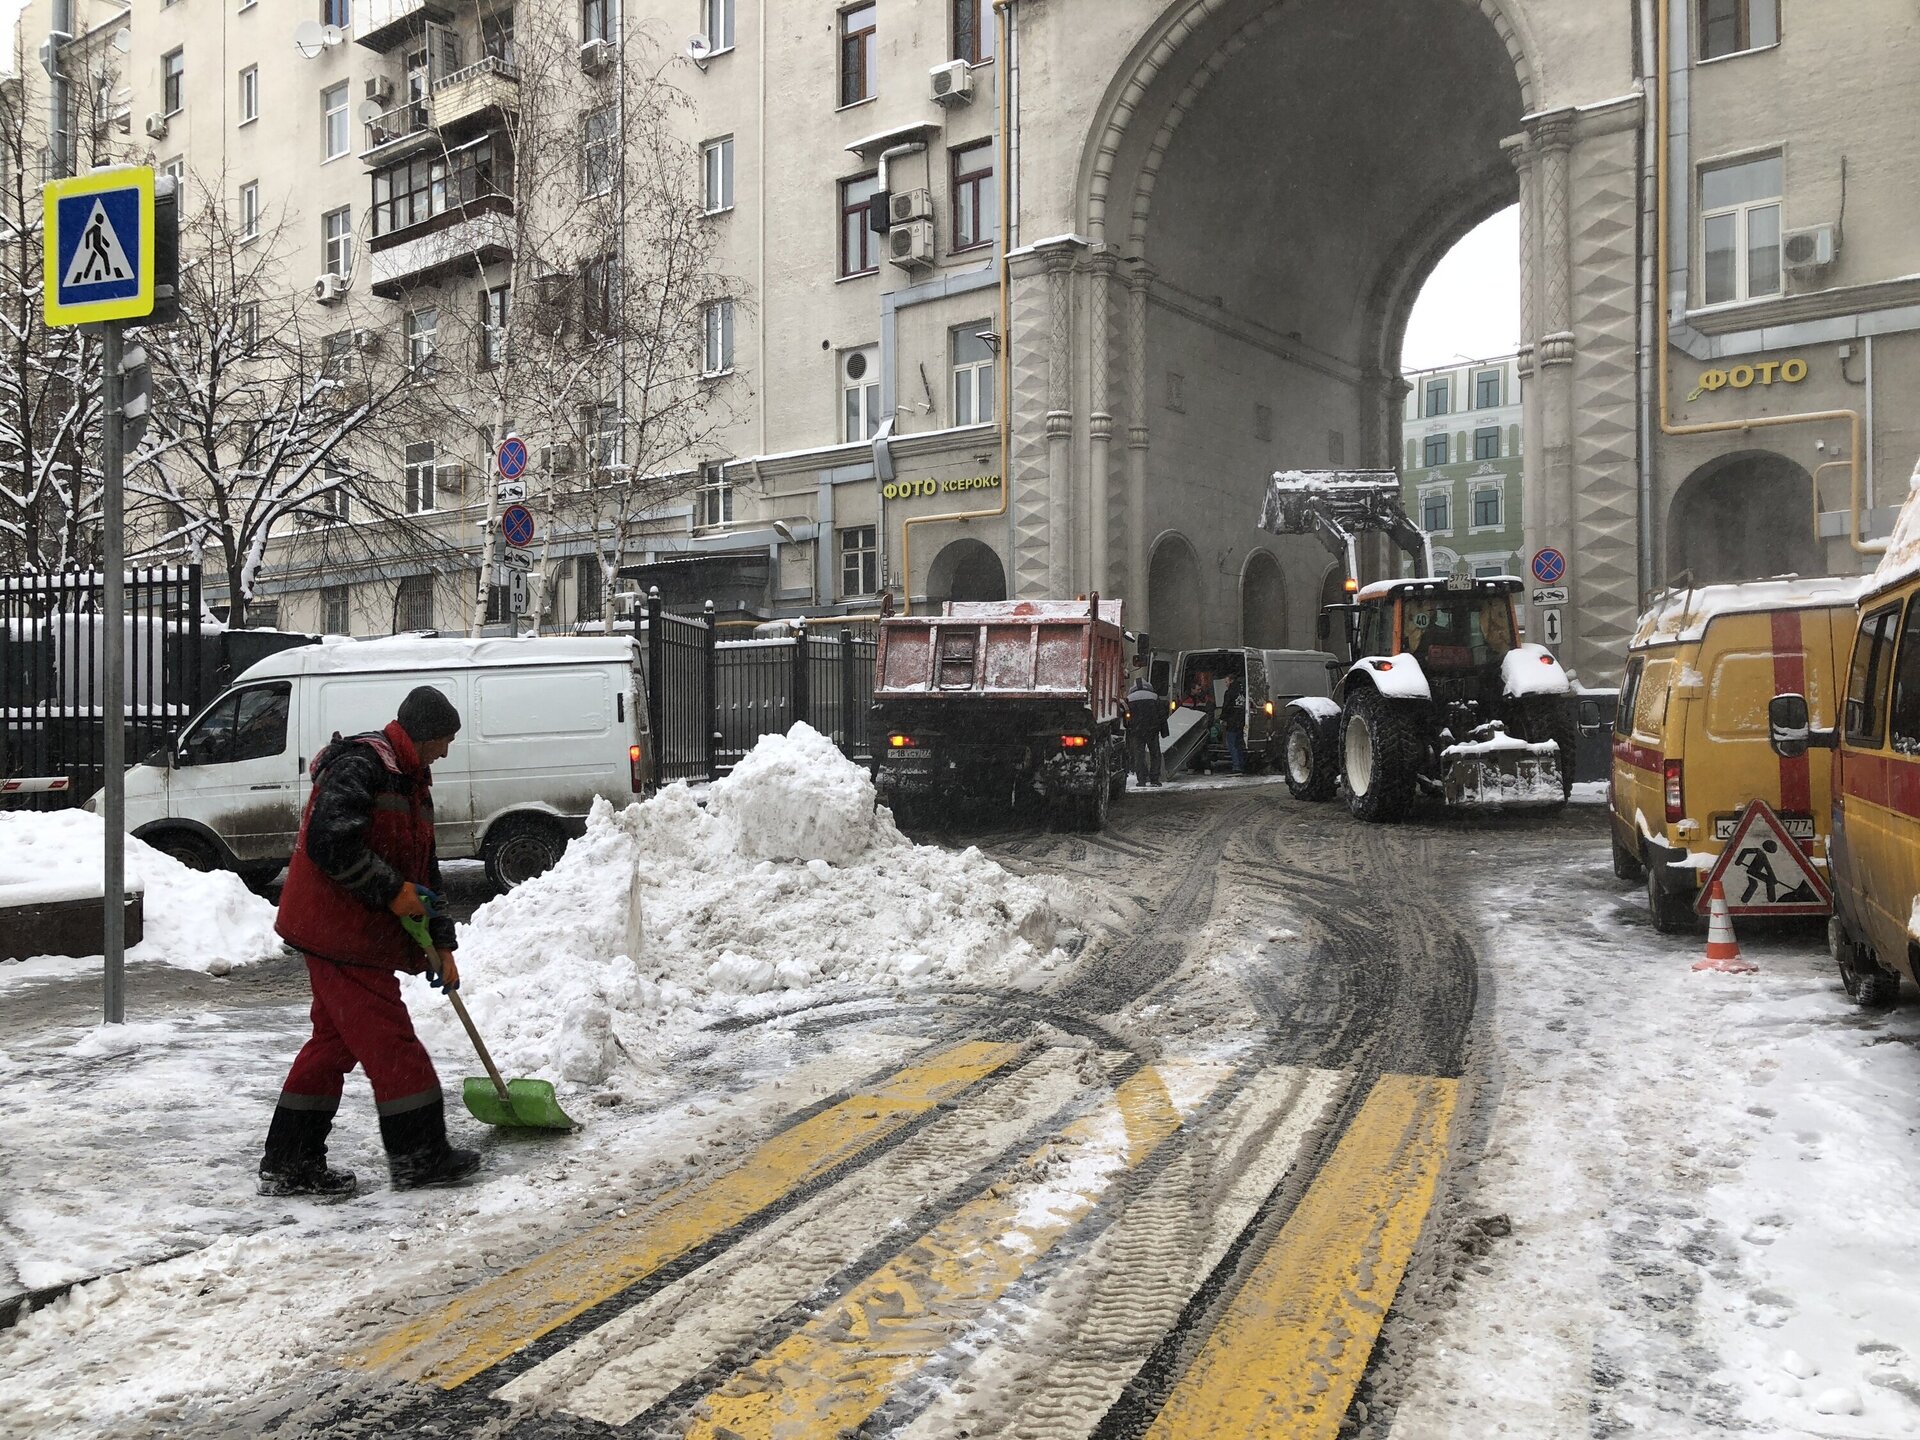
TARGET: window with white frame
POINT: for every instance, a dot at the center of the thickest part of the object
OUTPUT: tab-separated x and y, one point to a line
713	498
859	561
593	21
336	354
175	170
1436	511
337	12
716	159
1740	230
333	121
719	337
973	391
496	309
423	337
1487	507
859	244
1729	26
336	240
859	394
1435	452
246	324
336	610
173	81
596	152
249	94
601	425
719	24
422	478
250	210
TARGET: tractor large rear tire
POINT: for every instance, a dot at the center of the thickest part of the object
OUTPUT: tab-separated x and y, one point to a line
1310	758
1379	757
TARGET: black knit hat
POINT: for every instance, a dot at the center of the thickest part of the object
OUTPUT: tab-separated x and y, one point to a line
426	714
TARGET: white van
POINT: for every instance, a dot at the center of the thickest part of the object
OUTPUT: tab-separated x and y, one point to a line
547	725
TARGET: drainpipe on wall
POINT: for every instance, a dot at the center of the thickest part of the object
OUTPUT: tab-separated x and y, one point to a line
1651	331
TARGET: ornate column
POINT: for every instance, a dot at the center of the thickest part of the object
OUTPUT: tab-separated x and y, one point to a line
1060	566
1100	267
1139	280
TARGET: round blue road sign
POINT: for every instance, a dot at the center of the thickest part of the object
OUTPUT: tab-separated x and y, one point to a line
511	458
1548	566
516	524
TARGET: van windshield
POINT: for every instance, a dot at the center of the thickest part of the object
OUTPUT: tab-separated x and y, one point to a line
1464	631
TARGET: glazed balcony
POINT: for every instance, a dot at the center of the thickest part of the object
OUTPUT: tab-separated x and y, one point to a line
476	235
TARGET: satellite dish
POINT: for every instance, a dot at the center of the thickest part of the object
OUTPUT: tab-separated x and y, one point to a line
333	34
310	36
370	111
698	49
123	41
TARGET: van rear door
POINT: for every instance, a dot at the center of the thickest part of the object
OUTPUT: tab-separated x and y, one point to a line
356	704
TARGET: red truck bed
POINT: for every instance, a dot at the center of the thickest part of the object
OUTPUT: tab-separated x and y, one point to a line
1007	650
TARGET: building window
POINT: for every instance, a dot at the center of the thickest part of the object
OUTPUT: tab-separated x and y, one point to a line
336	613
1729	26
972	375
719	24
1434	518
499	604
1439	395
336	12
859	56
713	500
859	562
413	603
1740	230
596	153
249	94
336	354
250	210
859	245
173	80
422	472
973	31
1436	451
719	328
415	192
598	293
589	588
717	162
593	21
1488	571
601	425
1486	508
423	337
859	394
496	309
336	240
176	171
329	506
1486	390
246	324
333	115
974	201
1486	443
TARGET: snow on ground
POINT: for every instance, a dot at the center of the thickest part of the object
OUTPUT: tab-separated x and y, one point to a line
668	915
1713	1183
209	922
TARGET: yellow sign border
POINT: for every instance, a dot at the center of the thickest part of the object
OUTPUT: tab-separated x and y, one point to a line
98	182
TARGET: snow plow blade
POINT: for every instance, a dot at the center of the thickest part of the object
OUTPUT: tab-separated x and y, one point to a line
1495	771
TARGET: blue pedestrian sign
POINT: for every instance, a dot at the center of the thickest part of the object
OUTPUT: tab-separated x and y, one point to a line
511	458
1548	566
516	525
98	246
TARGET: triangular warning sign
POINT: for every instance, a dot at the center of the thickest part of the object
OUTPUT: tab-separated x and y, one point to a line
1765	872
100	258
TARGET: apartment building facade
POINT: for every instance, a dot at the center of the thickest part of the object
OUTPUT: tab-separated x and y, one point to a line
1461	470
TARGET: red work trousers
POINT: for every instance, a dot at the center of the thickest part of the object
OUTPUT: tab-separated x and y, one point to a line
359	1018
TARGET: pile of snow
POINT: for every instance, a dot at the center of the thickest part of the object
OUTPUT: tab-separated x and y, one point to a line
669	914
196	921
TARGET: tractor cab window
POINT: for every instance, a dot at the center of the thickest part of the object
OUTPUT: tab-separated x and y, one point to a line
246	725
1457	630
1376	630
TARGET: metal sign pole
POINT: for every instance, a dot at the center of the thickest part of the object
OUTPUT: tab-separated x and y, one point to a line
113	660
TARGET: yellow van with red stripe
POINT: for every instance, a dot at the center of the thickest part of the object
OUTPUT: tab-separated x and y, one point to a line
1690	739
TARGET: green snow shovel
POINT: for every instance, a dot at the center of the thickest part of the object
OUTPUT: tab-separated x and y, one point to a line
523	1104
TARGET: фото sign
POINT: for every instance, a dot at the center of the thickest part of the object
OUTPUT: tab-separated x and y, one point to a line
1741	377
917	489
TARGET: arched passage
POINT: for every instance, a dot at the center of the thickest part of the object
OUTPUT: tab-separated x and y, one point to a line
966	570
1743	517
1173	596
1263	603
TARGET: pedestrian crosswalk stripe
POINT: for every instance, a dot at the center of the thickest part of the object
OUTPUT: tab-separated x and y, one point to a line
830	1376
1285	1356
100	259
483	1326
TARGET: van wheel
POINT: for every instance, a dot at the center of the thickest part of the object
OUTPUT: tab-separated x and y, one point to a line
1626	864
521	847
188	848
1868	984
1672	910
1312	768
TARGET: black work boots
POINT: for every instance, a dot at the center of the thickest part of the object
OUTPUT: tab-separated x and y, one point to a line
296	1158
418	1154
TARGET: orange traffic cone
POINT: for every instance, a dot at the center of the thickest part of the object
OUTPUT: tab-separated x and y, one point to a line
1723	951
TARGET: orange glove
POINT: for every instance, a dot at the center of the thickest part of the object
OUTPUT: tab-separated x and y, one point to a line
408	903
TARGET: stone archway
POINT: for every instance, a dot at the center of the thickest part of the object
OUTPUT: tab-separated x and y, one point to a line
1174	596
1744	516
1263	603
966	570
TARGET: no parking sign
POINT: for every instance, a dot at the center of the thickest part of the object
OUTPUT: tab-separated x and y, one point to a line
1549	565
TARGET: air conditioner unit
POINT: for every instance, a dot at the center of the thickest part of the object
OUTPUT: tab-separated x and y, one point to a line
380	89
906	205
953	83
450	478
556	460
364	339
1810	249
910	246
596	57
156	126
328	289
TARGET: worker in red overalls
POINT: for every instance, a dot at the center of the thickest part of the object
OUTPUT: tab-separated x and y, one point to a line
364	855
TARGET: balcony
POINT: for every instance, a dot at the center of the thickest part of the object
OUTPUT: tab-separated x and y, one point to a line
486	91
382	24
396	133
480	233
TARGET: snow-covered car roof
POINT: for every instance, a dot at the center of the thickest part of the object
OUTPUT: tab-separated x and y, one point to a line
417	652
1506	584
1681	617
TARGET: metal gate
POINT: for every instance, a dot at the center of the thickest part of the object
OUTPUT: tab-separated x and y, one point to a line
680	693
765	686
52	736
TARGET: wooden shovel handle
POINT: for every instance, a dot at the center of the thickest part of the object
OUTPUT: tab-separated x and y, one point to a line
460	1009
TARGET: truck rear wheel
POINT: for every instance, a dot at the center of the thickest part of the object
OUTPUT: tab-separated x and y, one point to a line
1310	760
1093	808
1672	910
1379	753
1869	984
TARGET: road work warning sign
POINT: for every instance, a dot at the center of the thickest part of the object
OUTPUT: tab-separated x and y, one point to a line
1765	872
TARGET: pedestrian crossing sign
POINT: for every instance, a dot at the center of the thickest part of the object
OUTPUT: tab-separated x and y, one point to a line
99	251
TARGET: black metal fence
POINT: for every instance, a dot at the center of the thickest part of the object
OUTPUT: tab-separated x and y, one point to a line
52	680
766	686
680	692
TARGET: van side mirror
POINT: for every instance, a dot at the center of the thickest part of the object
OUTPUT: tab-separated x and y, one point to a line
1790	728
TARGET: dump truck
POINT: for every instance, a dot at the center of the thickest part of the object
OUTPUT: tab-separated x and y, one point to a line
1013	702
1437	695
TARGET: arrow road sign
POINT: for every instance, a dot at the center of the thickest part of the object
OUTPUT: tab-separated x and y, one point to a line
98	246
516	525
1550	631
511	458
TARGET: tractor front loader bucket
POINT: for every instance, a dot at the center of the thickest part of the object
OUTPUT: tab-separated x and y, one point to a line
1492	770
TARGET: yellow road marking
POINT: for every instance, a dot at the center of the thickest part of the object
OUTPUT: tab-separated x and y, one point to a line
1284	1359
486	1324
834	1373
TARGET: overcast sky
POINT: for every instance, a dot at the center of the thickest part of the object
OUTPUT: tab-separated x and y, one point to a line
1471	304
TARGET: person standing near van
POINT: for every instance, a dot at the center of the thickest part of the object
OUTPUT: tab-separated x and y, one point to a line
1146	724
1233	722
364	855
